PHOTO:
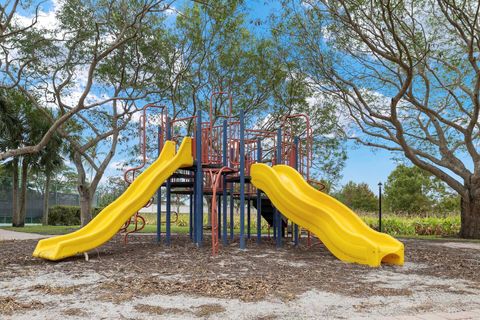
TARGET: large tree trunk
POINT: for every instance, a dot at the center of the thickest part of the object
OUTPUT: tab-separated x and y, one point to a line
46	196
85	205
15	213
470	227
19	220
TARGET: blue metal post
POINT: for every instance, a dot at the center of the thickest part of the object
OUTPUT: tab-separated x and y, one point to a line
199	182
224	195
295	227
231	211
259	196
168	203
248	217
190	221
219	215
159	194
194	204
242	180
232	202
278	217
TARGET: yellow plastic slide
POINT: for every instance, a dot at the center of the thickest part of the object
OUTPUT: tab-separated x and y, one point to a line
339	228
107	223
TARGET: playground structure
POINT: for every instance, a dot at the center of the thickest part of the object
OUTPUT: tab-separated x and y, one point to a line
228	162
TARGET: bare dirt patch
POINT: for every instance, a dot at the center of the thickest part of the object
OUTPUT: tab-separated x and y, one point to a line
157	310
75	312
206	310
10	305
461	245
55	290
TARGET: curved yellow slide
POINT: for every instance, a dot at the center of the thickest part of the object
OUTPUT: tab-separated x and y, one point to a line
339	228
107	223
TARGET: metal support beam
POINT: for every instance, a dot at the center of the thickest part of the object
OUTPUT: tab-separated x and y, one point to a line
259	196
295	227
168	208
190	221
242	179
159	192
232	204
224	194
198	182
248	216
219	214
278	216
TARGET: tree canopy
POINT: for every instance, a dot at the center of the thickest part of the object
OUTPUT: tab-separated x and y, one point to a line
358	196
411	190
405	75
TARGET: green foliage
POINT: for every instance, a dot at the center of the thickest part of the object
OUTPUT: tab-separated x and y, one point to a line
221	52
21	123
406	190
412	190
111	190
423	226
358	197
394	225
448	203
48	230
13	123
66	215
5	178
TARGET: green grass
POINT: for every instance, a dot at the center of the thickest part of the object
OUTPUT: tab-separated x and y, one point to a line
398	226
44	229
57	230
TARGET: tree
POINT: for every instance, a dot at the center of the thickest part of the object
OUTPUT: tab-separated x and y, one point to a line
119	48
5	179
50	161
406	75
219	51
66	63
13	128
21	124
215	50
358	197
408	190
413	190
10	137
111	190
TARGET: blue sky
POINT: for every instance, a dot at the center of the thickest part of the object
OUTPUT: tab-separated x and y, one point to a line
367	165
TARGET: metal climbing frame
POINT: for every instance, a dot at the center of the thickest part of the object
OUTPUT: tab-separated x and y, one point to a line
143	150
224	149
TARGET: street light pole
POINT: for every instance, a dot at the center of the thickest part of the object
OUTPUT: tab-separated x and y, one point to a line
380	206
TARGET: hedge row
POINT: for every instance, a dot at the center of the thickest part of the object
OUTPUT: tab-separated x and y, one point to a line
410	226
66	215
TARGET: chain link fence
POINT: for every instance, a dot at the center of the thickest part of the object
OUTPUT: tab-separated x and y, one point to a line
34	210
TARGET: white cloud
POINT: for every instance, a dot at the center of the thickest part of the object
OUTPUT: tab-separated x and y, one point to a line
172	11
47	20
117	165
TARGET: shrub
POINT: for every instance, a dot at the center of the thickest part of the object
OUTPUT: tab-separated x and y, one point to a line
66	215
423	226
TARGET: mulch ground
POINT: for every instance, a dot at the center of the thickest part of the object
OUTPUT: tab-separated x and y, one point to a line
142	268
